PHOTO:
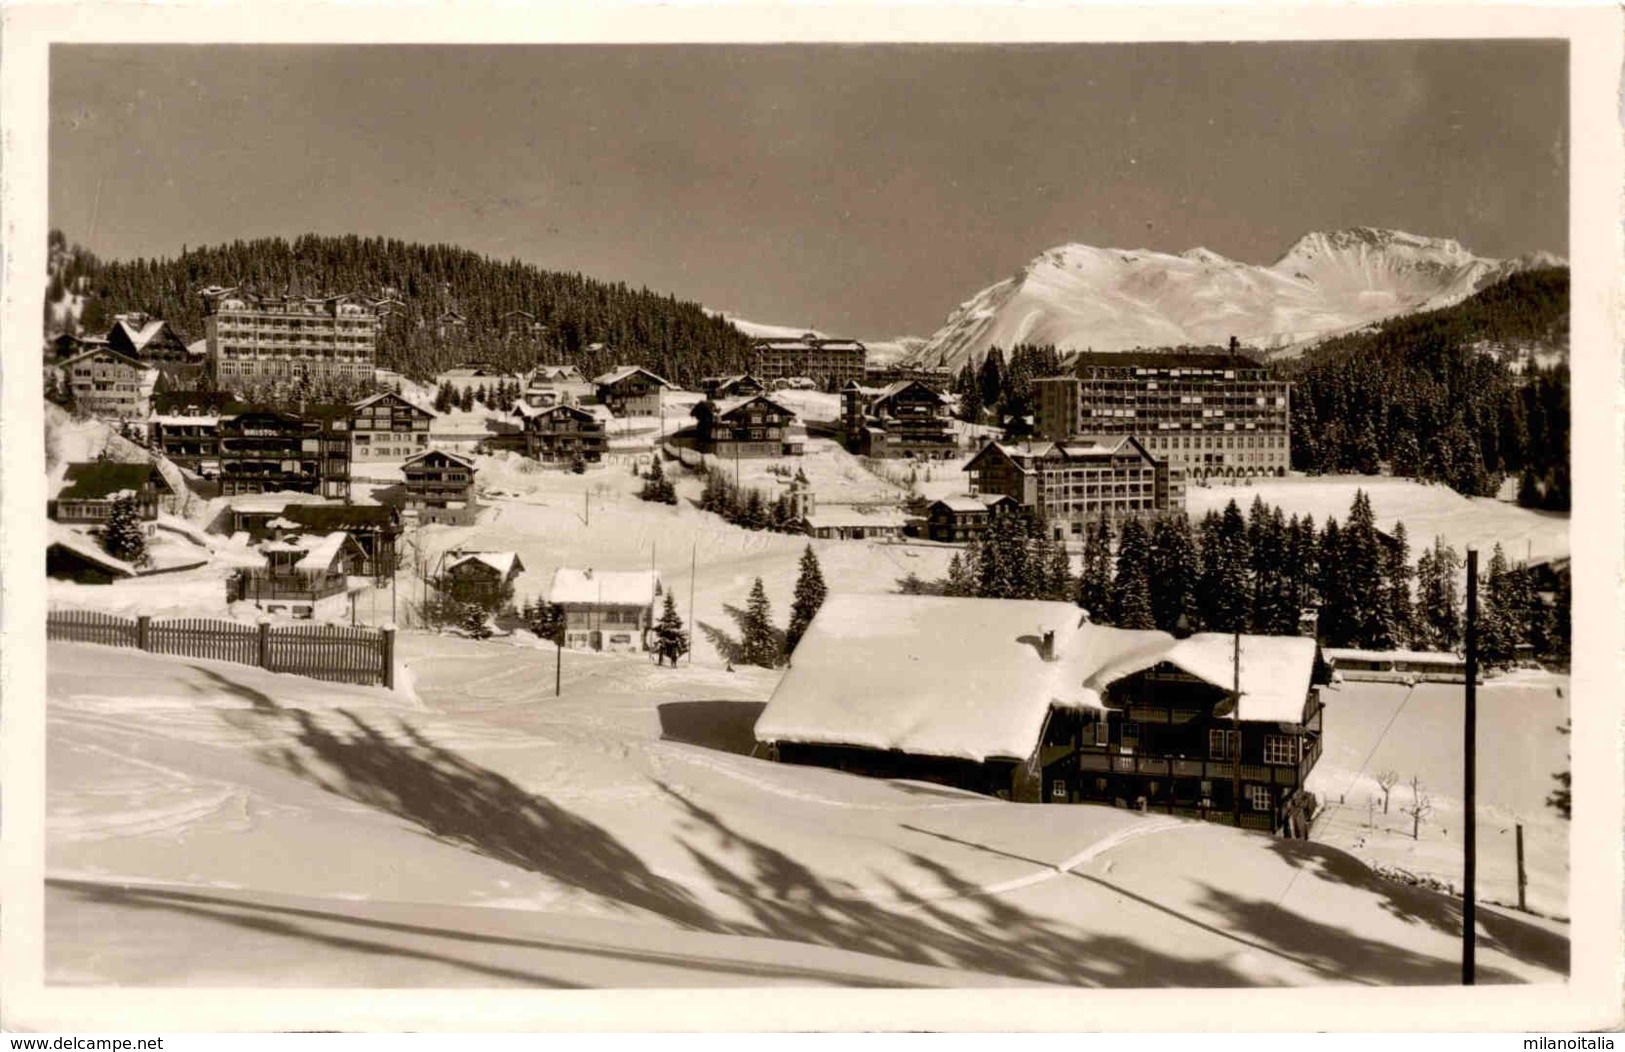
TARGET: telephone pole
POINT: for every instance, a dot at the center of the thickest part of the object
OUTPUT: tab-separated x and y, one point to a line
1235	733
1470	750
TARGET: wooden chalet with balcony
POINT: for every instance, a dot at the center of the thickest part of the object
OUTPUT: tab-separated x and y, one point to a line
440	488
718	388
304	577
630	390
375	528
903	419
745	427
485	578
557	434
111	385
1029	701
387	427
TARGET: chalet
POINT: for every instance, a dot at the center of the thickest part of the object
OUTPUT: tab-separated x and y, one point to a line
717	388
374	527
106	383
560	433
606	610
91	488
630	390
450	323
938	379
956	520
67	345
521	324
903	419
269	450
149	339
1084	478
388	307
749	426
440	488
251	514
481	577
305	576
387	427
557	374
1026	700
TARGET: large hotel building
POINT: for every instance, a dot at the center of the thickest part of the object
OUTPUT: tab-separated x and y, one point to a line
1215	415
833	363
263	339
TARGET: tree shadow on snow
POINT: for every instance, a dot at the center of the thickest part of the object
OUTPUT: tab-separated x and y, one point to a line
726	726
1496	930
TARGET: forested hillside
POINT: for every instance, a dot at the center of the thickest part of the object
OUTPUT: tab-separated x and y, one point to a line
589	323
1433	395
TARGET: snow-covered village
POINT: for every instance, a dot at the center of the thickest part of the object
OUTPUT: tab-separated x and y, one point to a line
485	602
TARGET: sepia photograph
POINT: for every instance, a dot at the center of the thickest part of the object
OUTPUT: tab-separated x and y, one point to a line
884	515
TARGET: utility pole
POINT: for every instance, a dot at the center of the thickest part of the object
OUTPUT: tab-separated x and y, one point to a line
1523	878
1470	750
1235	733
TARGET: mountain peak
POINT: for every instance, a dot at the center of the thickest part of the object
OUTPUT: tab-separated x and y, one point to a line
1371	239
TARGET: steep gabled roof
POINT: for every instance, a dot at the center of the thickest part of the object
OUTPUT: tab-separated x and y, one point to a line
372	400
123	359
503	563
622	372
330	517
453	457
730	406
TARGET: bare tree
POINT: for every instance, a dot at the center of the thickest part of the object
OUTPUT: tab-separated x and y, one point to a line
1421	807
1386	780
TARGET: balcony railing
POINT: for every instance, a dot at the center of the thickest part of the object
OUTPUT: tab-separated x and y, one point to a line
255	585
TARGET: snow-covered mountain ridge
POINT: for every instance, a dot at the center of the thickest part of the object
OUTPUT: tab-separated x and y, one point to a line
1080	297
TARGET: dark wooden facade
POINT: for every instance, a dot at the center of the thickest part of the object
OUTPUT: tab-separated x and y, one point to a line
631	392
560	433
267	451
754	427
92	488
374	528
904	419
440	488
959	520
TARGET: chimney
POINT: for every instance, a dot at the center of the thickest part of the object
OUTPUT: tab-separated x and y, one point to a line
1046	650
587	573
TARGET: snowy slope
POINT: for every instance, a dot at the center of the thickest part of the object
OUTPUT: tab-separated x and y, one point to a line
488	833
1078	297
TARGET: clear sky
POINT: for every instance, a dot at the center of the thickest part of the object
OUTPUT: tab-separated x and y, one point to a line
861	190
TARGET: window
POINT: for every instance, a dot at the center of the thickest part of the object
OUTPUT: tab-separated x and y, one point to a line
1223	744
1281	748
1057	789
1130	736
1260	797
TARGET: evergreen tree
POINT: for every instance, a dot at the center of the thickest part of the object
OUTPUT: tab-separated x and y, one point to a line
656	487
1058	583
809	596
1176	568
473	621
1363	553
1224	590
1274	612
1128	578
546	620
671	642
758	643
990	379
466	401
1439	601
1333	588
123	537
1497	621
1399	612
1095	578
754	515
961	581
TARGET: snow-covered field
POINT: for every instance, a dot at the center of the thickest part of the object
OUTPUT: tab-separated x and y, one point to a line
1428	511
215	825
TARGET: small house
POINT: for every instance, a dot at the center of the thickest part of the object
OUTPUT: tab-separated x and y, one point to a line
108	384
845	522
958	520
485	578
606	610
440	488
90	490
306	577
718	388
374	527
631	390
1027	700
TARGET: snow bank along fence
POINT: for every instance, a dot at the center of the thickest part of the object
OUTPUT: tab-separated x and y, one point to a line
341	655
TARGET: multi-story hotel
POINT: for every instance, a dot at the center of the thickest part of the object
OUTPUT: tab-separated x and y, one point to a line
1073	482
832	363
904	419
1215	415
264	339
387	427
106	383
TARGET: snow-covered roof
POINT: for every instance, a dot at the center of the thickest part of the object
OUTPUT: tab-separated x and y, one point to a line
606	587
320	551
139	336
453	457
86	548
967	678
194	420
1336	654
840	516
728	405
962	502
261	503
503	563
621	372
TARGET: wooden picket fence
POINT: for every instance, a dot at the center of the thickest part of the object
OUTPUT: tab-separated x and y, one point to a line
329	652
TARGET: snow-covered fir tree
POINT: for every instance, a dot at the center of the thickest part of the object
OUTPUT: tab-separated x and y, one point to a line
809	596
123	537
758	643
